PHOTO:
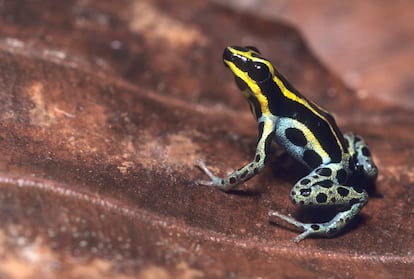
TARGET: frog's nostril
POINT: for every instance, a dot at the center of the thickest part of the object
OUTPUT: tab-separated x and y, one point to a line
227	54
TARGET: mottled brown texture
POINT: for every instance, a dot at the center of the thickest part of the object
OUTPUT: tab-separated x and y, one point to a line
106	106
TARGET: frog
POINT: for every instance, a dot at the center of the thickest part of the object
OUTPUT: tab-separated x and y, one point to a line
338	165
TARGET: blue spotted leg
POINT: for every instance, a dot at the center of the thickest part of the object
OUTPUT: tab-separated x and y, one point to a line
234	179
326	186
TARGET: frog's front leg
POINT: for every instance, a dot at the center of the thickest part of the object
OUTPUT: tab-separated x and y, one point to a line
321	189
266	133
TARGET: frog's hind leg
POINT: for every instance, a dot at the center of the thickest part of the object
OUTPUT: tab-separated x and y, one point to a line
326	229
360	151
321	188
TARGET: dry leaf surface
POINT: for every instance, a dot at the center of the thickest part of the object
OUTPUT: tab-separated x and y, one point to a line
106	106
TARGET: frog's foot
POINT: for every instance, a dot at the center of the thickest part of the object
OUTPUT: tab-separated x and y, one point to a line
358	148
214	181
327	229
306	228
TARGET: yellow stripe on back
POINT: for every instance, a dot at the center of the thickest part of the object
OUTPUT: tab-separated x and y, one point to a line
261	97
294	97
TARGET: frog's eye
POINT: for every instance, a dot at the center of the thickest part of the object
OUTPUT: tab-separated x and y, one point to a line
258	71
255	49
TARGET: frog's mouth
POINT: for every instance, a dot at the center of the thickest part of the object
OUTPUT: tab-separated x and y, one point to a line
227	57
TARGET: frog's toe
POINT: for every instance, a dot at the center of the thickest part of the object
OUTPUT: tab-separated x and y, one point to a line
204	183
287	219
302	236
201	165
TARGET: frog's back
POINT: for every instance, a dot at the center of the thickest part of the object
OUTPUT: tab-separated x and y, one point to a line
308	132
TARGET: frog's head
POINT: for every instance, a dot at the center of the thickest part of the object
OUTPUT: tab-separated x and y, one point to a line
247	65
250	71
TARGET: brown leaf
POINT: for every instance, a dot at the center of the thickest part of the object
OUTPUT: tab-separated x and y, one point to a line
105	108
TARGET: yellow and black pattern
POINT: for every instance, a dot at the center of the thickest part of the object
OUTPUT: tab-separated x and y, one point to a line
309	134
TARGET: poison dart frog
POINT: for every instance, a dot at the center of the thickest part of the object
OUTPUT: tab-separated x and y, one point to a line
309	134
